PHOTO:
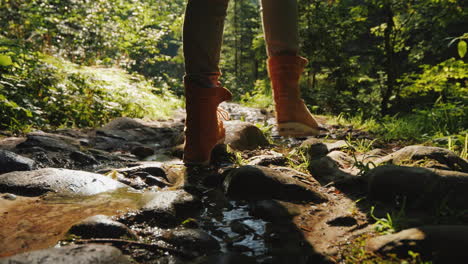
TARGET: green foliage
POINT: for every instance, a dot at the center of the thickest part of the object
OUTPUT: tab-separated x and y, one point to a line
361	146
366	58
260	96
392	222
141	35
461	48
447	79
358	254
266	130
45	91
442	119
298	160
236	157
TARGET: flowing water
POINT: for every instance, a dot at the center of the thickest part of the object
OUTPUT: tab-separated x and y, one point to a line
35	223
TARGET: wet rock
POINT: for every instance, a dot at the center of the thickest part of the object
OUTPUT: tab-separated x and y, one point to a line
268	159
215	199
226	258
420	186
10	161
135	182
192	240
410	154
76	254
101	226
50	142
142	152
61	181
442	244
152	168
316	148
156	181
170	260
244	136
177	151
239	248
240	228
259	183
169	208
273	211
83	158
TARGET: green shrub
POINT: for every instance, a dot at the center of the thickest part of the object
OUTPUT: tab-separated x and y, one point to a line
45	91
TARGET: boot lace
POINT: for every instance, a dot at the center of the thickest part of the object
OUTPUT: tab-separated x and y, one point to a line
223	114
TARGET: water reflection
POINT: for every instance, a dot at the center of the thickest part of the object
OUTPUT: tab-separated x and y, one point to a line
36	223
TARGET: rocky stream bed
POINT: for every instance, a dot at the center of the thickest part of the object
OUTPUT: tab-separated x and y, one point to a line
120	194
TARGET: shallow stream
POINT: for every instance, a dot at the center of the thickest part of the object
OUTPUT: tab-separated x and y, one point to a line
34	223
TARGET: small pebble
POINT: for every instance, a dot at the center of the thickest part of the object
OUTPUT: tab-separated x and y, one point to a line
9	196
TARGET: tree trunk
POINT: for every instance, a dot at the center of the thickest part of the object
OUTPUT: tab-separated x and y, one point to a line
389	59
236	41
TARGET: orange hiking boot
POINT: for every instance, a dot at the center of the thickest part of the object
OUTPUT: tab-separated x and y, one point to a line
203	129
292	116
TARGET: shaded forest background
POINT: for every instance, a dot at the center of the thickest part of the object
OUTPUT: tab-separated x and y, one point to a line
397	67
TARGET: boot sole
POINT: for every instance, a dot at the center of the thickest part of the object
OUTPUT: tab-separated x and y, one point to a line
206	162
294	129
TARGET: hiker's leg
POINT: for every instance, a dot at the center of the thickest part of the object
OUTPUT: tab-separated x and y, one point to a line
202	39
280	25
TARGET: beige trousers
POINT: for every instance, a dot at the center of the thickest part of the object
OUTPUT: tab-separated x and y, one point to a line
203	33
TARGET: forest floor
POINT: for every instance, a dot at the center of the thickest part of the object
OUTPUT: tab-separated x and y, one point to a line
121	194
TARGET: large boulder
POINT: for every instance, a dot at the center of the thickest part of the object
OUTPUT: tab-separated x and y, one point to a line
10	161
411	154
442	244
260	183
61	181
76	254
422	187
244	136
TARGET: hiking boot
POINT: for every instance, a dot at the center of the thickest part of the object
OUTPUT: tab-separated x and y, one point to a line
292	116
203	126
